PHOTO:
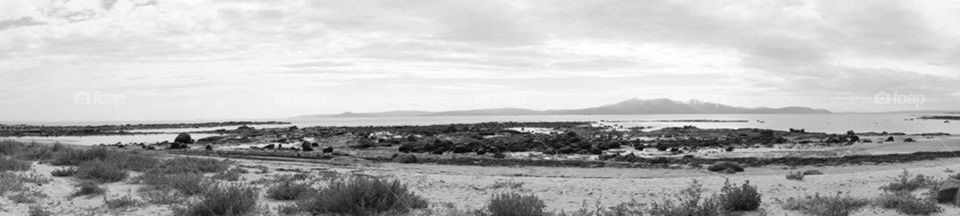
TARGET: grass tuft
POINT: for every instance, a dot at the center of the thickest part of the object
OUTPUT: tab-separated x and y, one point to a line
101	171
88	188
11	164
826	206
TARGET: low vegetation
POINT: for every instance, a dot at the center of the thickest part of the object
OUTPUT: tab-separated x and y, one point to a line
64	172
101	171
826	205
123	202
289	189
11	164
742	198
906	203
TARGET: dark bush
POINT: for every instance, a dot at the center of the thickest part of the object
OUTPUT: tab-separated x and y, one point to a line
513	204
306	146
363	196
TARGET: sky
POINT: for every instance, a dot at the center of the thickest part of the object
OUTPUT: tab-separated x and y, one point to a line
113	60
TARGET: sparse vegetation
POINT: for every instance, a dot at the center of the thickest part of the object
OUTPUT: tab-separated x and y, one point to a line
101	171
10	182
361	195
187	183
27	196
289	190
230	175
906	182
37	210
123	202
906	203
826	206
689	201
11	164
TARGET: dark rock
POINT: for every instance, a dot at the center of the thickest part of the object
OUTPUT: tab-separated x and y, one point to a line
812	172
889	139
209	148
406	158
328	149
306	146
723	165
947	192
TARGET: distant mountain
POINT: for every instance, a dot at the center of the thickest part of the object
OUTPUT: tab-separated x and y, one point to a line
632	106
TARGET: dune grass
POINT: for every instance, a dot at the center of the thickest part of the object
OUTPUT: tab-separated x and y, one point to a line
224	200
361	195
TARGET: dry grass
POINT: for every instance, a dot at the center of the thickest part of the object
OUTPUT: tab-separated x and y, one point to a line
826	206
224	200
88	188
362	196
11	164
513	204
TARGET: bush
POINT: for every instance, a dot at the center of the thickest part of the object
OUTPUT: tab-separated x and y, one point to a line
11	147
64	172
187	183
743	198
363	196
825	206
513	204
123	202
904	182
101	171
906	203
88	188
289	190
224	200
134	161
690	201
10	164
795	176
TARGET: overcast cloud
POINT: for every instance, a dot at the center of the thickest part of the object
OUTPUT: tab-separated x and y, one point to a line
209	59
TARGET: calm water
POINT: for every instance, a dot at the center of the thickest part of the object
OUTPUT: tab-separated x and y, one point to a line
831	123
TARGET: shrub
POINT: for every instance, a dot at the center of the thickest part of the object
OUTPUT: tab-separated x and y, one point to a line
904	182
88	188
289	190
363	196
795	176
690	201
743	198
64	172
10	164
825	206
123	202
224	200
11	147
187	183
101	171
513	204
906	203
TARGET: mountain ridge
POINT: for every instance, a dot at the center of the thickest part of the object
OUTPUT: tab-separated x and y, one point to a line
626	107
